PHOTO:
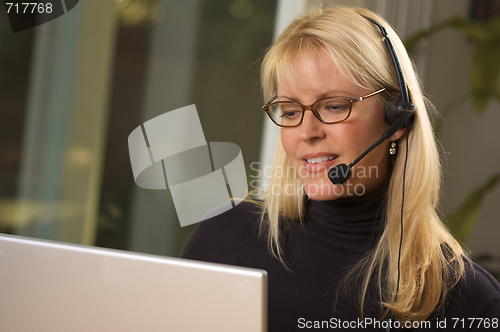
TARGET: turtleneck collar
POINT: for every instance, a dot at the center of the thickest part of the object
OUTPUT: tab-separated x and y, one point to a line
354	223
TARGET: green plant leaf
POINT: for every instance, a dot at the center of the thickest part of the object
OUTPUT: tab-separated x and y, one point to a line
470	29
497	94
484	73
412	41
476	31
494	24
447	110
464	219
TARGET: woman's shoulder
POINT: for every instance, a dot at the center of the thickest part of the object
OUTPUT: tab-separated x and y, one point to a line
225	231
241	218
477	295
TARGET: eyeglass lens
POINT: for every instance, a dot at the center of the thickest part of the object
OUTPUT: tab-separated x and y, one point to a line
332	110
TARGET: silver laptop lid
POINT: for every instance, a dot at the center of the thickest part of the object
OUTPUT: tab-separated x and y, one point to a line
50	286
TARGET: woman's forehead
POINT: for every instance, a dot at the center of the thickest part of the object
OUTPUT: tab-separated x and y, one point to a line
309	72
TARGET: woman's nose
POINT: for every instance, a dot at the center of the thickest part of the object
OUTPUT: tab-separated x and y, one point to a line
311	128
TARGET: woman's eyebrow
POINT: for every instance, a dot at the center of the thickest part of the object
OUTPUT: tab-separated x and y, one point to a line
336	93
321	96
286	97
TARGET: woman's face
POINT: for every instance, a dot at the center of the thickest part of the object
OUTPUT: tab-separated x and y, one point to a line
340	142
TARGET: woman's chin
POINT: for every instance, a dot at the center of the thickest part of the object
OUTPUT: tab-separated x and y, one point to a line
327	191
323	191
322	197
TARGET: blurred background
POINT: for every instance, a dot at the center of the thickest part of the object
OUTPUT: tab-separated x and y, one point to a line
73	89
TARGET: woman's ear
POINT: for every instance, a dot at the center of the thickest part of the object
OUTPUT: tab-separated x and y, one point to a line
399	133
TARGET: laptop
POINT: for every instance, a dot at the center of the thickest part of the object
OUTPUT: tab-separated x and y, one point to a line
56	287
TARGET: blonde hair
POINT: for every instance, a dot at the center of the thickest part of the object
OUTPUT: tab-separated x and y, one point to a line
431	260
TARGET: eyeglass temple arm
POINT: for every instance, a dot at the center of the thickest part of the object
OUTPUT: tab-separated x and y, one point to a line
368	95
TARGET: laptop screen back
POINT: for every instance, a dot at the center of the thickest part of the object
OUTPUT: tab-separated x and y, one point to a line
50	286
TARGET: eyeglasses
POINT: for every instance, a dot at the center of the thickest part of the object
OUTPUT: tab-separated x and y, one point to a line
327	110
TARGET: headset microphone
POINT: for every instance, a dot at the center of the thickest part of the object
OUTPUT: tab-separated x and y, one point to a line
398	113
340	173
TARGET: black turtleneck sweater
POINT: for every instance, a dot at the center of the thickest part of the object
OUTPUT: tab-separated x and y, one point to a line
333	237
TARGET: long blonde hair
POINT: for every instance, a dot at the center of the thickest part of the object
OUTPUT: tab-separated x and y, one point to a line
431	260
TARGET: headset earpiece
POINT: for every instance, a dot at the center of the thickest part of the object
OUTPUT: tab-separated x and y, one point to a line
393	111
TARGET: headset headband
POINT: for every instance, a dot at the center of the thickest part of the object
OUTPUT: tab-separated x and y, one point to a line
404	98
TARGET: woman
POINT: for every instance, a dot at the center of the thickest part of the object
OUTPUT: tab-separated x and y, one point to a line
336	255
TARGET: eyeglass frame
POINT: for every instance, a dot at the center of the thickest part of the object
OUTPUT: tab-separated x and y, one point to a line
311	107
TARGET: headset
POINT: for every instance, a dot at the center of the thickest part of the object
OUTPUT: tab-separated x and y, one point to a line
397	113
402	107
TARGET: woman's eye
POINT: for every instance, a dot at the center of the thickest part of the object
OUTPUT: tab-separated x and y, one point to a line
336	107
290	114
289	111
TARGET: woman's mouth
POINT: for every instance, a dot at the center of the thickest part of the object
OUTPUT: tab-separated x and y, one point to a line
319	163
319	159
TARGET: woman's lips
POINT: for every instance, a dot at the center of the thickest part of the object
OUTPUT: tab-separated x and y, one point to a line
315	165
